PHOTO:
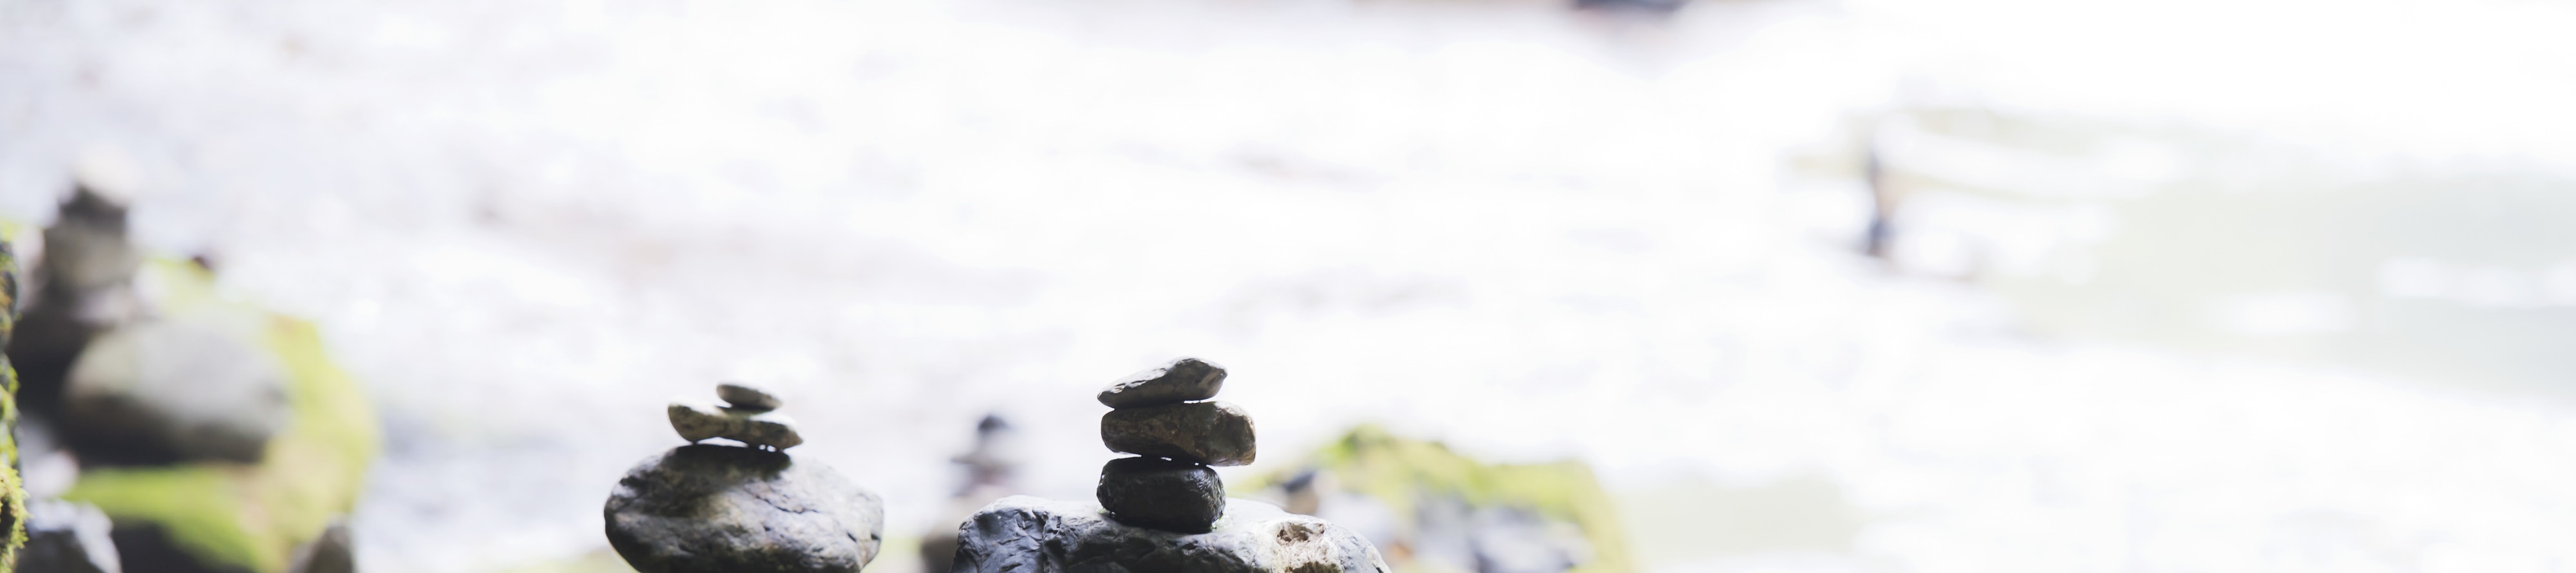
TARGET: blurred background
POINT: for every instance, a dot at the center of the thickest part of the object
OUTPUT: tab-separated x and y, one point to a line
1509	285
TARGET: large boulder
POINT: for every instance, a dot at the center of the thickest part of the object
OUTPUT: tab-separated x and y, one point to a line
713	508
1023	534
217	515
178	389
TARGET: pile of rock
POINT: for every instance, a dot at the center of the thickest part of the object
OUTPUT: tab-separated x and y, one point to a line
1159	415
1163	510
718	508
145	385
130	378
748	416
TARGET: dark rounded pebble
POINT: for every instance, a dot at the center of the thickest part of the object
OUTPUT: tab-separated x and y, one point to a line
1161	494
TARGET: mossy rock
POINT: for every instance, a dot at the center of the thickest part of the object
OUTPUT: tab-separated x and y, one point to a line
13	493
1402	473
251	516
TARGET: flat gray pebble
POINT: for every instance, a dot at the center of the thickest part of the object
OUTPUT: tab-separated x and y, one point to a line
1212	433
743	397
1181	380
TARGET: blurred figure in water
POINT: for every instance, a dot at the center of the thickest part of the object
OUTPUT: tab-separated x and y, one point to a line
990	467
1882	203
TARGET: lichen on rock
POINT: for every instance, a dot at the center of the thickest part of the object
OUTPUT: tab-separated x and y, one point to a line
13	493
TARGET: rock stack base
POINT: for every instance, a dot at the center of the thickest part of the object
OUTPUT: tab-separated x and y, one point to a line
724	508
709	508
1022	534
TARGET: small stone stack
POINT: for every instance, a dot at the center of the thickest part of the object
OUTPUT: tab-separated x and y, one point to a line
710	508
1160	415
748	416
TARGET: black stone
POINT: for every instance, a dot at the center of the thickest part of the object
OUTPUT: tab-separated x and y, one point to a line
1161	494
713	509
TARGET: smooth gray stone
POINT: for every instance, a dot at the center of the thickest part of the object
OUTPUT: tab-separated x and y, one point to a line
1182	380
721	509
1212	433
697	422
1161	494
67	537
1023	534
747	398
174	390
88	248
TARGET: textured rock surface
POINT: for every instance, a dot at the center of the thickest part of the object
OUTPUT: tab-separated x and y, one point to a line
1212	433
1161	494
174	390
708	508
67	537
747	398
13	496
1022	534
1182	380
697	422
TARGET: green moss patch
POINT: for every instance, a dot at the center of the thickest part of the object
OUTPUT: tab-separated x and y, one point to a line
1400	472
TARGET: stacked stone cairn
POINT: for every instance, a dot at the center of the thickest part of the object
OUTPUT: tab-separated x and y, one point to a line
712	508
1163	510
1163	416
